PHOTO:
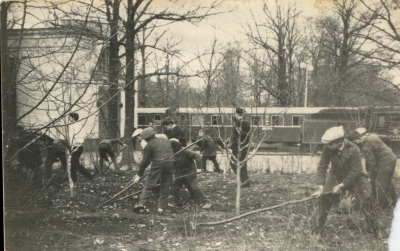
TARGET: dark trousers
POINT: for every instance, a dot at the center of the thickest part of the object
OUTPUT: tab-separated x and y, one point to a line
190	182
159	173
243	170
214	161
362	192
54	154
383	189
31	159
76	165
105	149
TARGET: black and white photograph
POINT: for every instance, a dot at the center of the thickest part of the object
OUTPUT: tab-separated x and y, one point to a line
131	125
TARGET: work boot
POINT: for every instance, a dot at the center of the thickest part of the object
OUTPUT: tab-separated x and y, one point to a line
206	205
218	171
175	205
138	207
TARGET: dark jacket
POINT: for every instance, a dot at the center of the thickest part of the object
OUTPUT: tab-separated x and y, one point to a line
157	150
376	153
208	146
184	160
346	167
240	128
179	134
111	142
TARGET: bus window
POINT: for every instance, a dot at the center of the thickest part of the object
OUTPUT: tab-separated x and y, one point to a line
297	120
157	119
216	119
277	120
233	119
197	119
142	120
257	120
267	122
182	119
381	121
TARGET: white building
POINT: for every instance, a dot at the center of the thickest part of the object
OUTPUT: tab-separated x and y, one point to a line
59	70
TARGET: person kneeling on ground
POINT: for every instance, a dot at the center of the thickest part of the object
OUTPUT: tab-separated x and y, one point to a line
105	147
185	175
158	152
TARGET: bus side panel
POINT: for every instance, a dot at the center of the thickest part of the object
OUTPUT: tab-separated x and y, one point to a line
284	134
313	130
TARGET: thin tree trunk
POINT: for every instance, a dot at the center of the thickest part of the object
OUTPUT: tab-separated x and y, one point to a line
127	156
115	66
70	182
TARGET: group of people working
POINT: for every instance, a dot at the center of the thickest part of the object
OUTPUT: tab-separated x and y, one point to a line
173	165
171	160
340	169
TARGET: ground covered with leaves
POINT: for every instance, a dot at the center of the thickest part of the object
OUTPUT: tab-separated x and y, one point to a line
44	216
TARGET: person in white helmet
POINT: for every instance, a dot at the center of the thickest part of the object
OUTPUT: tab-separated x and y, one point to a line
380	163
345	173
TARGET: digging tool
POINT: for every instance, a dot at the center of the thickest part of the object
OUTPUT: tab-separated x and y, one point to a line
132	183
257	211
129	185
130	195
106	169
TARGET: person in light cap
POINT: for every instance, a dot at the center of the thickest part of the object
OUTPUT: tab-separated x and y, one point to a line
158	152
380	163
345	173
137	136
361	130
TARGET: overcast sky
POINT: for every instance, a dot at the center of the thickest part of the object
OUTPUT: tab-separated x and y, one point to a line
228	27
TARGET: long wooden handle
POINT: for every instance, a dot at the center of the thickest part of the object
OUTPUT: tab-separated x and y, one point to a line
252	212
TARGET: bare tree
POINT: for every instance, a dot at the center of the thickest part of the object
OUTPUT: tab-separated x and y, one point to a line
386	36
209	72
278	35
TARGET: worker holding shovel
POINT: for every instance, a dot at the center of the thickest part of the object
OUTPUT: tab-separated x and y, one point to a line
345	173
105	147
159	153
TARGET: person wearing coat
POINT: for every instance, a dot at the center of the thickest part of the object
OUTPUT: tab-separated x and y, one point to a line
56	151
345	174
76	136
240	132
105	147
380	163
174	131
158	152
185	175
208	149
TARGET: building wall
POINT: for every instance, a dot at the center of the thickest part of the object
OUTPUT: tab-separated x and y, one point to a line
54	78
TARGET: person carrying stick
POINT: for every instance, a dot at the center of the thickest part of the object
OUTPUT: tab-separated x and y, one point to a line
345	173
105	147
185	175
159	153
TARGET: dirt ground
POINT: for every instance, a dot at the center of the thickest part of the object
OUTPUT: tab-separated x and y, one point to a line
44	216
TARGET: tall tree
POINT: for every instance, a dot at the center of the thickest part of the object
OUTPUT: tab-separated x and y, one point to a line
277	34
210	65
139	15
